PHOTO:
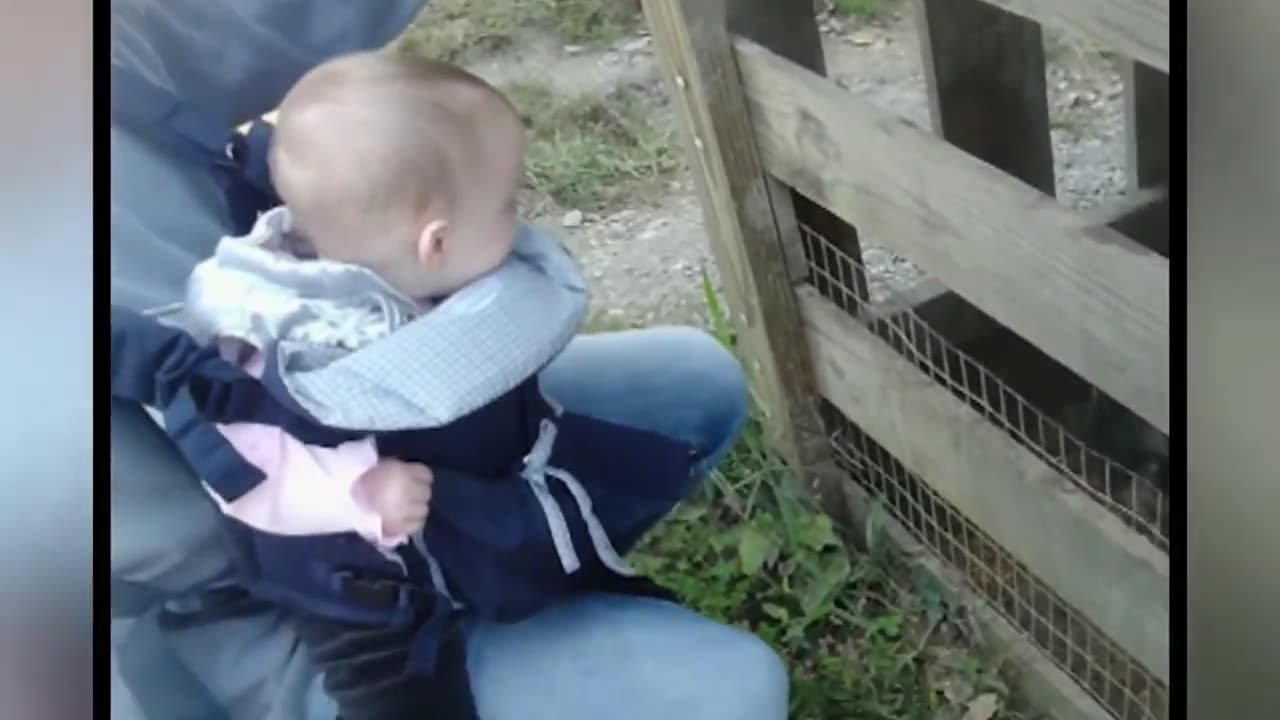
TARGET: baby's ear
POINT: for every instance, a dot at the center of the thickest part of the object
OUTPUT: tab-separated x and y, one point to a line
431	244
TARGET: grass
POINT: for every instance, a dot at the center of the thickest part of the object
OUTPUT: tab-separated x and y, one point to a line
589	22
862	635
588	152
1063	47
862	9
457	30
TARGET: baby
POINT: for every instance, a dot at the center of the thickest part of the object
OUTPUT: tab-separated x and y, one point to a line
410	169
367	357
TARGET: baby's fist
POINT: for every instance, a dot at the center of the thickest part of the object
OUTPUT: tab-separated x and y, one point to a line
400	492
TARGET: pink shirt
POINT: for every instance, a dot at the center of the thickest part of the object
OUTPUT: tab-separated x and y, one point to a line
308	489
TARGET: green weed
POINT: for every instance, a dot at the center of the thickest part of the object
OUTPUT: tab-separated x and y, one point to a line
753	552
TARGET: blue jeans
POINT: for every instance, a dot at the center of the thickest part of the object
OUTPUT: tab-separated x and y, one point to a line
594	657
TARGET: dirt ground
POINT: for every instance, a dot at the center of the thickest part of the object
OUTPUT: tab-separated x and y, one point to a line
645	259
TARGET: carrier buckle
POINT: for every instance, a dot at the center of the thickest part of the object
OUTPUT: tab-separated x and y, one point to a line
381	594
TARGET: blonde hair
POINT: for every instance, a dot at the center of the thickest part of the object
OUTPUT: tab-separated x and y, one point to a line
383	130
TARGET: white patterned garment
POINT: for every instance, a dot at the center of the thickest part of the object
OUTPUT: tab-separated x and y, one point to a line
358	355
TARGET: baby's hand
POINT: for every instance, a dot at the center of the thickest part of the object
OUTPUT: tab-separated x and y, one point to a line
400	493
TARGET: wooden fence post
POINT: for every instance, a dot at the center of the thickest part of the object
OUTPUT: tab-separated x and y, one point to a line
751	224
1147	126
790	29
985	72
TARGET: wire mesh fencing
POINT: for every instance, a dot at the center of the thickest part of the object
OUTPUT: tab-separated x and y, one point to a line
1079	648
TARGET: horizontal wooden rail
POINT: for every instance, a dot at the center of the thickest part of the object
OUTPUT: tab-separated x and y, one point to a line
1093	299
1115	577
1144	217
1137	29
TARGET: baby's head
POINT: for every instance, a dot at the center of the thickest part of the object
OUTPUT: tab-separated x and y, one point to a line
405	166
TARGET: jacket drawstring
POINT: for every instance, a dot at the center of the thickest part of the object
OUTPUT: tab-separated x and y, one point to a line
433	566
536	472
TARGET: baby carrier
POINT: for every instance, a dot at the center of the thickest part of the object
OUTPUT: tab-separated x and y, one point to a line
517	519
506	538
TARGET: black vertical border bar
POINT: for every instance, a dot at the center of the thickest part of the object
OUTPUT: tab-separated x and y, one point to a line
1178	363
101	361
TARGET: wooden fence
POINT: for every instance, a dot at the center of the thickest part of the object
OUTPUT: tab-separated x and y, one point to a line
1062	551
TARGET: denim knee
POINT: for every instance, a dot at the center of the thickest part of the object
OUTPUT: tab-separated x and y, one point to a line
718	389
757	685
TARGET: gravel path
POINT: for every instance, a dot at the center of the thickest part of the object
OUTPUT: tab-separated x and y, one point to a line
645	262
